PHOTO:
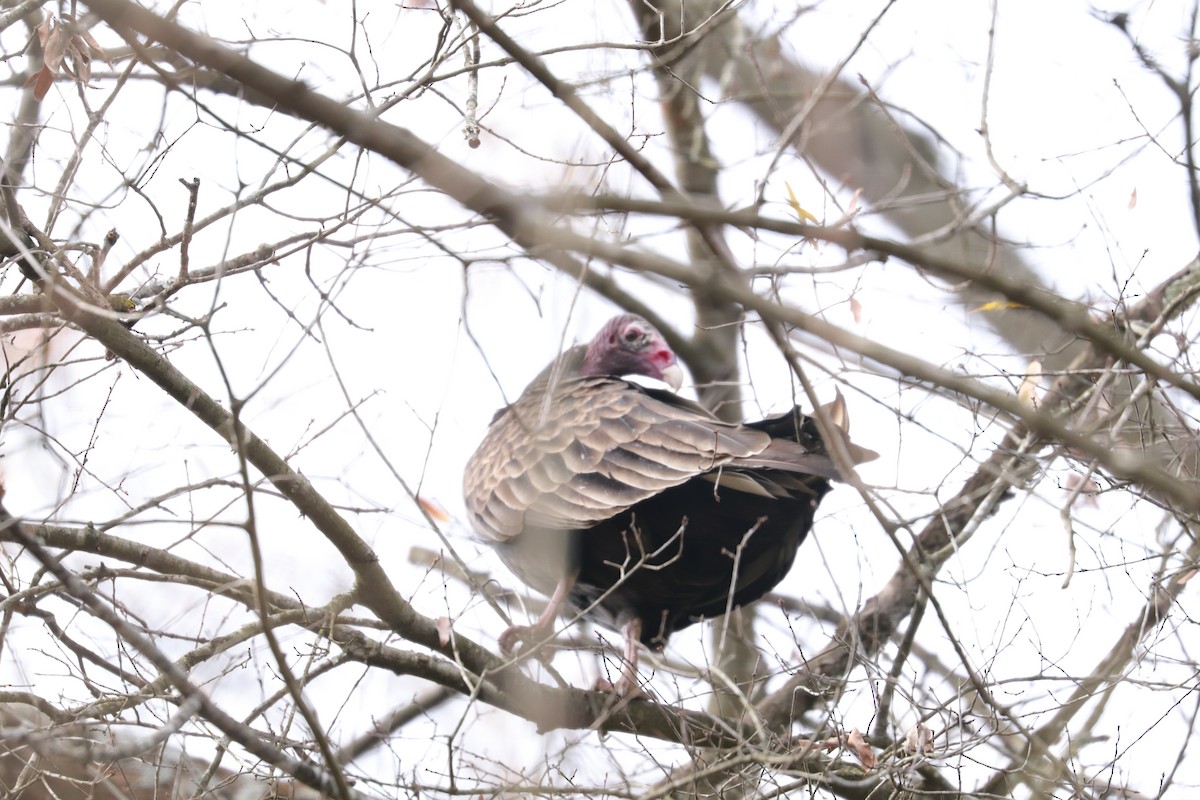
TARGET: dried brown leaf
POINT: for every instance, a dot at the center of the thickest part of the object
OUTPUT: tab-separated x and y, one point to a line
832	743
81	59
855	742
94	46
56	48
443	629
1086	488
42	82
919	739
43	30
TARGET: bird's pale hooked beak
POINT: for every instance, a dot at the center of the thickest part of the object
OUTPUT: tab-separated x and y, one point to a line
672	375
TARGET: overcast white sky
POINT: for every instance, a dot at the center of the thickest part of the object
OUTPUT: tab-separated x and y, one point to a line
1069	113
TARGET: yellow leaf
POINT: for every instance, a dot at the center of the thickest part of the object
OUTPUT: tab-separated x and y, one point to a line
795	204
997	305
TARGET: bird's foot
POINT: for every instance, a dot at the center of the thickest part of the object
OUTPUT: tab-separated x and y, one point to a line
624	688
522	635
627	687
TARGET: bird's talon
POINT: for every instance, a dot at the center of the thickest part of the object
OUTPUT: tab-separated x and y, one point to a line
513	636
519	638
624	688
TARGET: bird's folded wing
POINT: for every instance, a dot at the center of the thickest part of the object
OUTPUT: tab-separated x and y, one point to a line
789	456
593	449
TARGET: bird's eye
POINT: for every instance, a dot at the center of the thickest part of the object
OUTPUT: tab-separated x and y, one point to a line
633	335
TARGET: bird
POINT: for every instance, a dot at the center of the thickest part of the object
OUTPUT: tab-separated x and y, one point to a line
636	507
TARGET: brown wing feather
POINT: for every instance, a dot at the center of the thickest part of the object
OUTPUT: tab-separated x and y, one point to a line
790	456
595	448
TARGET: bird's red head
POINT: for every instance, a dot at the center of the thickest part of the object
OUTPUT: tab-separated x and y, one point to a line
628	345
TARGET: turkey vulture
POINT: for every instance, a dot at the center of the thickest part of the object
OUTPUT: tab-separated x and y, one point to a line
635	506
